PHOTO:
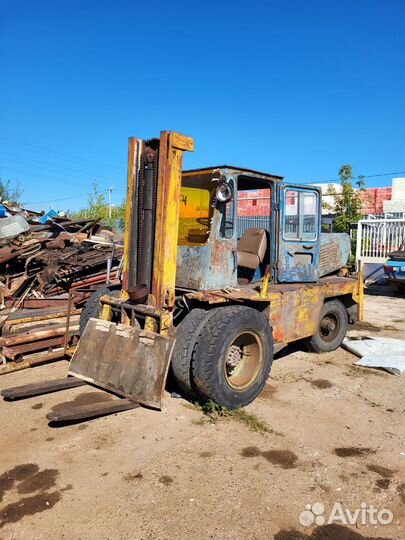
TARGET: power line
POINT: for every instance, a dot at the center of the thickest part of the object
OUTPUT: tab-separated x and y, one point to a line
55	200
65	157
362	176
77	182
20	158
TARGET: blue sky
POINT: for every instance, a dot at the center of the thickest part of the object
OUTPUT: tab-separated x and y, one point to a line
295	88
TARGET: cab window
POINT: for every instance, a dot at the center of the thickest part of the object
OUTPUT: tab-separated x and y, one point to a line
300	215
195	210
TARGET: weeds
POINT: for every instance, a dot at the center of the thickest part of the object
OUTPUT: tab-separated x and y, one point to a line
360	371
214	413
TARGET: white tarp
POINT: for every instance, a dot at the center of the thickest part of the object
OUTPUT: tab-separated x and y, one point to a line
379	352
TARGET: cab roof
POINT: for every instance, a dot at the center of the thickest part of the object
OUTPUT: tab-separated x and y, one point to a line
234	170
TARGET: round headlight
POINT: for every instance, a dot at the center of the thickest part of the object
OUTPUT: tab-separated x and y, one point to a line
224	192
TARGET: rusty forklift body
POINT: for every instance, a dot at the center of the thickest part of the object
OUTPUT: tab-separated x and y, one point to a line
182	255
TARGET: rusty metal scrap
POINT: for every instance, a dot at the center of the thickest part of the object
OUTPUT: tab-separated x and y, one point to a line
38	269
50	258
38	337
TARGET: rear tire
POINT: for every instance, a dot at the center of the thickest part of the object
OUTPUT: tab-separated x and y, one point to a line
92	307
186	336
233	356
332	329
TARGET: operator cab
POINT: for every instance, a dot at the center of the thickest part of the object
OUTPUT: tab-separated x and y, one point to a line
225	227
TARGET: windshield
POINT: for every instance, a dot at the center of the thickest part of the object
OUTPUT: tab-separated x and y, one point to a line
196	209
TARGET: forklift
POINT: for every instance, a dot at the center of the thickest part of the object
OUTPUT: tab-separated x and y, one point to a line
205	292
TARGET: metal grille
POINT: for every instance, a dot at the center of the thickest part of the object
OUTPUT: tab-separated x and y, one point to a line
252	222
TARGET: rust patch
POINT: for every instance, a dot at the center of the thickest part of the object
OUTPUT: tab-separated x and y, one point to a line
353	451
6	483
130	477
282	458
37	406
166	480
251	451
325	532
18	473
321	383
207	454
384	472
28	506
41	481
383	483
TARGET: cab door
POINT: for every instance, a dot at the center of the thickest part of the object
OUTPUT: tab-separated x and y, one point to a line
299	233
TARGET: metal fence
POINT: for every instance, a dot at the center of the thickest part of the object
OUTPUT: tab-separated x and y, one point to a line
376	238
248	222
263	222
391	215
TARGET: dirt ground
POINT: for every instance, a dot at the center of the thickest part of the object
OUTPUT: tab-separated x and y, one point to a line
335	436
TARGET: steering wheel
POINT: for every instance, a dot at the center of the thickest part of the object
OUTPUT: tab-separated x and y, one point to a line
204	221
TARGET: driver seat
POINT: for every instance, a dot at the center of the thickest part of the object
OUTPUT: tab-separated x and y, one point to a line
252	247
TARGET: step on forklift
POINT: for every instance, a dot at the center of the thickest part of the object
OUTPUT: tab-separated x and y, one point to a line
205	291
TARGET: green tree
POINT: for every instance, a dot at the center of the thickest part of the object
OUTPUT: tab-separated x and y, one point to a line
10	193
97	207
347	203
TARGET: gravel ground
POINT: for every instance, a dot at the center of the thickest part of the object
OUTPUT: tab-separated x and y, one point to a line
334	437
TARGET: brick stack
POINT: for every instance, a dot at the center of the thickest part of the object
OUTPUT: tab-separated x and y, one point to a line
373	199
254	203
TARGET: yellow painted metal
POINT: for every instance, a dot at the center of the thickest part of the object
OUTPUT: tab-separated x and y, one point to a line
134	154
265	285
358	292
172	146
150	324
106	312
166	322
293	309
181	142
125	320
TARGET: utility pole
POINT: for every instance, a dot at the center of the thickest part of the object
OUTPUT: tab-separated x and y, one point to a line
109	202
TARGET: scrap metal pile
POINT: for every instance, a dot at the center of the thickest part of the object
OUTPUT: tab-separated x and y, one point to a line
42	260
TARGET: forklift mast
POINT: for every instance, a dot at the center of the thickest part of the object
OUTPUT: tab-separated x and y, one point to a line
152	217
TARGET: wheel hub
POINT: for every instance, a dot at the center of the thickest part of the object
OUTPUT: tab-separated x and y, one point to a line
243	360
234	356
329	327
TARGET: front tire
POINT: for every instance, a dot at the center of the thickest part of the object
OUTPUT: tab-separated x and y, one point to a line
93	308
186	336
332	328
233	356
